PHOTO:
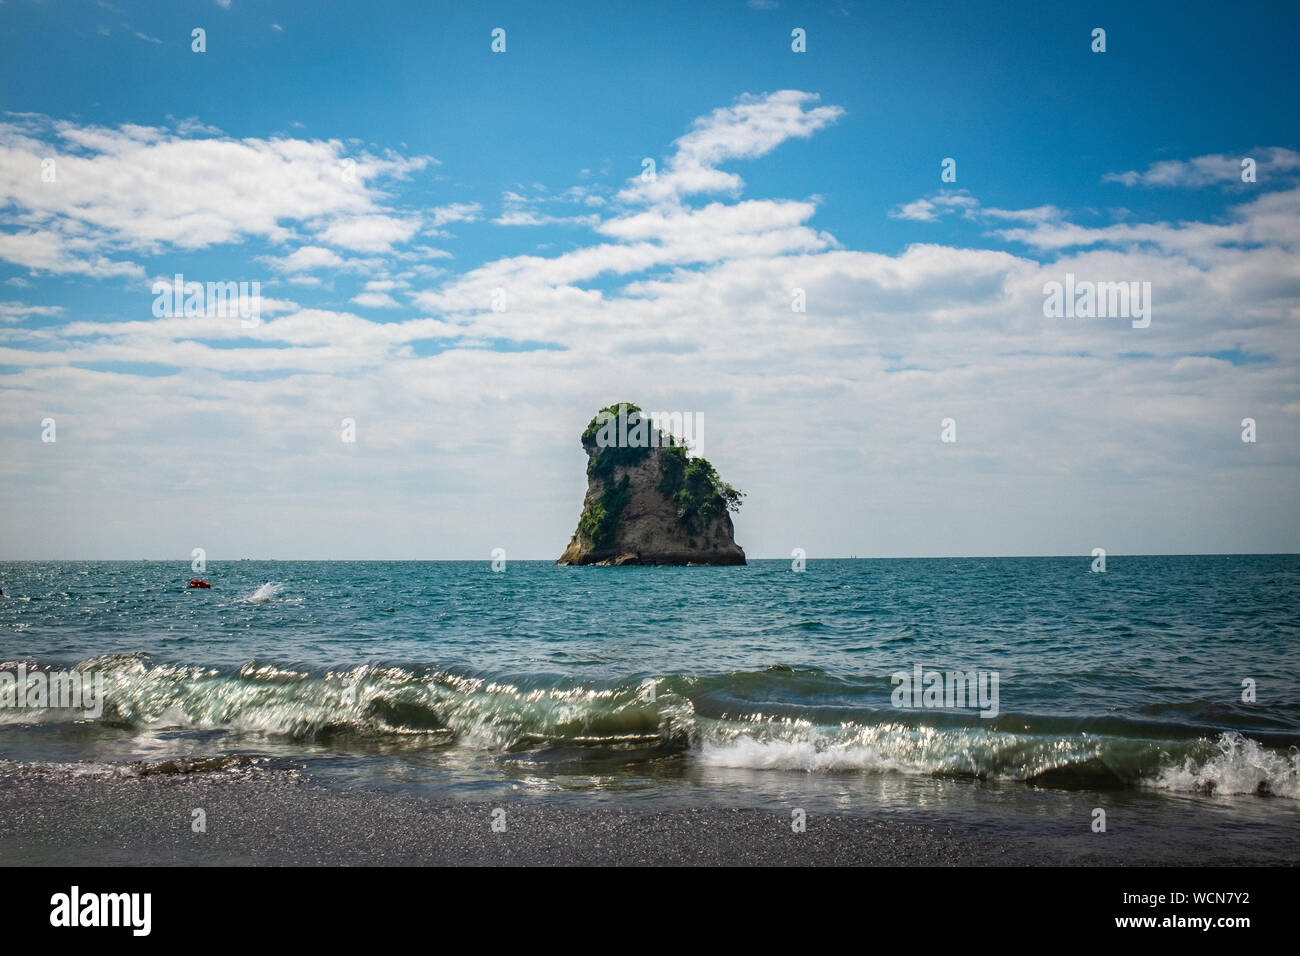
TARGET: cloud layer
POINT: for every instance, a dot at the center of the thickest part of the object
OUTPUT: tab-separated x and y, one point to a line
470	387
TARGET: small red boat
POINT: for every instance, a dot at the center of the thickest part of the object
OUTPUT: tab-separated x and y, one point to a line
198	583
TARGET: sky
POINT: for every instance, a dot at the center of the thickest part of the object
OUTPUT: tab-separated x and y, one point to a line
465	252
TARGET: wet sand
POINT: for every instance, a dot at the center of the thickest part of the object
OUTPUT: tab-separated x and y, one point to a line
282	819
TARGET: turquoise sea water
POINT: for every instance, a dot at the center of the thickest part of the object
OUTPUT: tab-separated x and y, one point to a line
753	684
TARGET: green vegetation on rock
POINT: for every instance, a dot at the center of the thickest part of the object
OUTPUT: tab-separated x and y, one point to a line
605	459
599	518
695	489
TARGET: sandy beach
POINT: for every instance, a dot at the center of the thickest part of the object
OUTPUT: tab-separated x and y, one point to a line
280	818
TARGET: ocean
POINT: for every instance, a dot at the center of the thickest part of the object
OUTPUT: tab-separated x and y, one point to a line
1165	690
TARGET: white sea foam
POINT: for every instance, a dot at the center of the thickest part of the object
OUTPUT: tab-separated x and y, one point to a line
751	754
891	747
1232	765
265	594
1240	766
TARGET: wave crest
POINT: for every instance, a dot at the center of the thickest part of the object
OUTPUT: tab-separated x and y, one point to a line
637	718
1239	766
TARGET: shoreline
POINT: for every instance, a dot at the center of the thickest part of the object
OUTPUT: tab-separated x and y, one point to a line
274	818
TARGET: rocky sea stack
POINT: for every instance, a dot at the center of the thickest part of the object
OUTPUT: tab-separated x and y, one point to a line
648	501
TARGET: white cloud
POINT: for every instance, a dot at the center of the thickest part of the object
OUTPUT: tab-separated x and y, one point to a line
385	285
305	259
54	253
17	311
753	127
369	233
929	210
526	217
1211	170
454	212
1273	218
376	300
143	189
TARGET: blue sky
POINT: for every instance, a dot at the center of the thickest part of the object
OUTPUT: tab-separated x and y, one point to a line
520	171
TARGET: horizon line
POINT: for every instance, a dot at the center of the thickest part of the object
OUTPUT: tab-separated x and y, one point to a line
842	557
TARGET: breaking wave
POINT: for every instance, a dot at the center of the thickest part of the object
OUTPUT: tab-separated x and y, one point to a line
264	594
674	716
1240	765
1227	765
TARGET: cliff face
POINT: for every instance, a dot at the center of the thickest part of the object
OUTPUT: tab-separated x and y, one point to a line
648	501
